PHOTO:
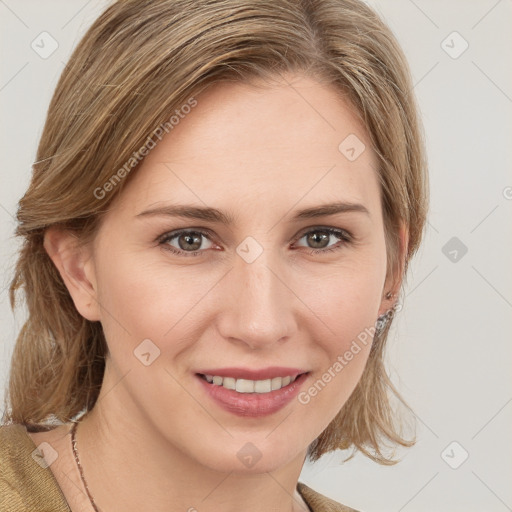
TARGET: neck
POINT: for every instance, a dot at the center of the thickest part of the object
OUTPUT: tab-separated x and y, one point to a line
130	465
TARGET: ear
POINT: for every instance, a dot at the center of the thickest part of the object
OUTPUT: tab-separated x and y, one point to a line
396	274
75	265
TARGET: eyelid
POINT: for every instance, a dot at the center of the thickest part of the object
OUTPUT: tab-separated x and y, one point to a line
342	233
206	231
173	233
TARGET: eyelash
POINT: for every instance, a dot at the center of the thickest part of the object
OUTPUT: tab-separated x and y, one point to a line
342	234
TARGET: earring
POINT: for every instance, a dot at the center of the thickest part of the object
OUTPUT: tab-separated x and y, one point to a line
381	322
383	319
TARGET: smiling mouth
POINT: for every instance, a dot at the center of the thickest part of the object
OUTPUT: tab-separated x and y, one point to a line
251	386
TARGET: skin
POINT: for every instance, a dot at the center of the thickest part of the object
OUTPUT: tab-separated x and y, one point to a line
154	440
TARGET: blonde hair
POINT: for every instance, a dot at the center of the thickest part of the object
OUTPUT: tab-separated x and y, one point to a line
137	64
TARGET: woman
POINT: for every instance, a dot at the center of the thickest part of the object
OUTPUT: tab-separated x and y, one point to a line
224	204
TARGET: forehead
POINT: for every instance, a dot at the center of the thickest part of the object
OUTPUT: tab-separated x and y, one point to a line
268	144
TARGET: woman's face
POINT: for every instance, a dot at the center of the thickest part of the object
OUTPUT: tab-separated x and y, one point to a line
252	275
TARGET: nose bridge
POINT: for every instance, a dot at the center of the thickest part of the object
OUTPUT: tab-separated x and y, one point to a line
260	310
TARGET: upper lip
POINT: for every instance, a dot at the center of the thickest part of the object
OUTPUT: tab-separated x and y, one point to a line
250	374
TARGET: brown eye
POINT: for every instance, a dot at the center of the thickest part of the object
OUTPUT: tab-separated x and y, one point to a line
325	239
318	239
182	242
190	241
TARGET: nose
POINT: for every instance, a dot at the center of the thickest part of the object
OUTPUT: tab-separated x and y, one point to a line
259	307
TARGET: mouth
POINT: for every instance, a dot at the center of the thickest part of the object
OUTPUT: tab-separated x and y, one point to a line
262	386
251	398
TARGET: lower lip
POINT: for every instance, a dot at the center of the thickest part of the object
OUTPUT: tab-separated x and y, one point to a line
253	404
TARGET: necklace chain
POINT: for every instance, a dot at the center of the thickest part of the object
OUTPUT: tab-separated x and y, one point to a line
80	469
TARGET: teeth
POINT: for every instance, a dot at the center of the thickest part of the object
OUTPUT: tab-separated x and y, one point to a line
244	386
228	382
262	386
276	383
250	386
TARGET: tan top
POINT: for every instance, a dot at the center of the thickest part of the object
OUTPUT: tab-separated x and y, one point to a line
26	485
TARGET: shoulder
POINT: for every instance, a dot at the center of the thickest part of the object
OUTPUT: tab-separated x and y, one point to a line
319	503
26	482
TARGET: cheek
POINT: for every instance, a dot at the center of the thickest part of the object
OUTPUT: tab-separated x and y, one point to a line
342	357
346	308
345	299
146	298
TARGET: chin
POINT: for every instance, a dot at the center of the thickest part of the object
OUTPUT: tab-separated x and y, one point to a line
248	457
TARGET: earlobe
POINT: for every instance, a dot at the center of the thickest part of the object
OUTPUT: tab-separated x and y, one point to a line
74	263
391	288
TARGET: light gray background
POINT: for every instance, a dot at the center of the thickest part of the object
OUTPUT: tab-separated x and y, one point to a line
450	349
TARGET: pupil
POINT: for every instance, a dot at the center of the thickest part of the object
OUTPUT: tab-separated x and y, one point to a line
317	240
193	241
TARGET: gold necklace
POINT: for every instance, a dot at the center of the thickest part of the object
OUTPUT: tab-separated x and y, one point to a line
80	470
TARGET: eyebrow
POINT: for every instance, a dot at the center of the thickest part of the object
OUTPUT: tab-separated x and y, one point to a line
215	215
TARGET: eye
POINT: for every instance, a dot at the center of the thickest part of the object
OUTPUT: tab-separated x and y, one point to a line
320	239
186	242
194	242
